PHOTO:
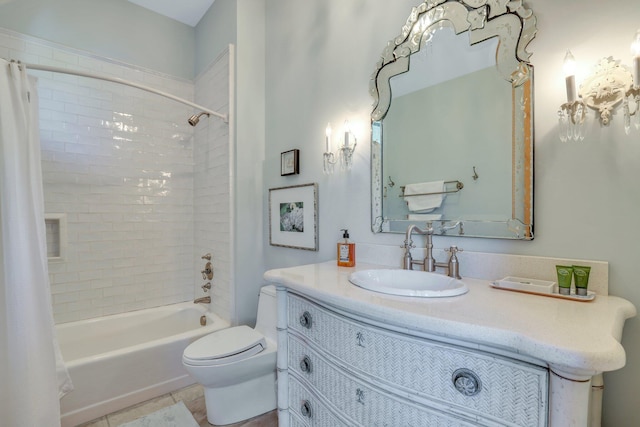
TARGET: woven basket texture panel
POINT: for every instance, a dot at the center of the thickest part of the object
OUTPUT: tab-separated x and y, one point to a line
320	415
512	392
366	406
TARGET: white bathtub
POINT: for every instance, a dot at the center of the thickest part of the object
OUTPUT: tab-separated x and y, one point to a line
120	360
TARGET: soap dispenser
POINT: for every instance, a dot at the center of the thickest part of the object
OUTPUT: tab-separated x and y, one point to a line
346	251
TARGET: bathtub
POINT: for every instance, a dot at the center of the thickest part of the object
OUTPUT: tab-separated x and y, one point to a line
120	360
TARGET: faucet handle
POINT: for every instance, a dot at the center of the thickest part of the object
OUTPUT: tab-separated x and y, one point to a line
408	244
454	264
454	249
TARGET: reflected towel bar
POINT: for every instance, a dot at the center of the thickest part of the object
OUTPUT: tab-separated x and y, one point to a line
459	186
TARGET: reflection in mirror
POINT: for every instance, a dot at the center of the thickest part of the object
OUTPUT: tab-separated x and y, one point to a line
452	124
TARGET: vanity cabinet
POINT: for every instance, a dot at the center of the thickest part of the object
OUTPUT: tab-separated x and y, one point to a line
348	356
339	369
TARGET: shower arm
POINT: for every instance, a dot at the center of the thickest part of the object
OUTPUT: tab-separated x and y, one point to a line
224	117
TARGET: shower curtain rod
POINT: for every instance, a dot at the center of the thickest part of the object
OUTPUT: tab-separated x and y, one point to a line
39	67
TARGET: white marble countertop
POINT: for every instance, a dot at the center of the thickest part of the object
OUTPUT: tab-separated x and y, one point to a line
575	338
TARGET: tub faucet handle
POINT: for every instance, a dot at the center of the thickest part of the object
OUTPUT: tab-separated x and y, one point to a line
206	256
206	287
207	273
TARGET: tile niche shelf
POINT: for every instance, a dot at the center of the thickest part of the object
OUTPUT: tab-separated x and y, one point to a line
56	232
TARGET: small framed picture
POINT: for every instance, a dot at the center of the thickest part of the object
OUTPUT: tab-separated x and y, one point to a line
293	217
290	163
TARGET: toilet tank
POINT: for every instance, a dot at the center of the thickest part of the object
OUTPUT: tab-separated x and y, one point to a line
267	312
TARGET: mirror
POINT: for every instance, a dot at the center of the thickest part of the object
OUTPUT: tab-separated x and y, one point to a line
452	122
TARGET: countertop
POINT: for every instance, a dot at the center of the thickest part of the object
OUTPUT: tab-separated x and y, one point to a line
575	338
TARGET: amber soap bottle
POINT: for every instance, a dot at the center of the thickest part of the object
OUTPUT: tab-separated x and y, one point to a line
346	251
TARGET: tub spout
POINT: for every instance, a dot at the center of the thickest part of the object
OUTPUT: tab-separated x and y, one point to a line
204	300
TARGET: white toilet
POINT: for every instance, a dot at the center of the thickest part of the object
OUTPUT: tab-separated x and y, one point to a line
237	366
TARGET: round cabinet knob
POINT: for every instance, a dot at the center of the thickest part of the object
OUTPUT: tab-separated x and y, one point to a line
305	364
305	409
306	320
466	382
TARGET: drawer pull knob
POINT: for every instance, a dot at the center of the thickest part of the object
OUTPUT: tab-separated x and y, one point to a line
306	320
360	396
305	364
466	382
305	409
360	339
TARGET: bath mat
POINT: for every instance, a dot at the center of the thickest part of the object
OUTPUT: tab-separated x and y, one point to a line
172	416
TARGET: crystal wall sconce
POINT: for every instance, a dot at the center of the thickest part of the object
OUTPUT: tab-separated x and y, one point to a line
610	86
344	153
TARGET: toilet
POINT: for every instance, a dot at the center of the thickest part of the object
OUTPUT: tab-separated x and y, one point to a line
237	366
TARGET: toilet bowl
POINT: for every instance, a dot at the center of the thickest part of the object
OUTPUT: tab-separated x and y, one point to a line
237	366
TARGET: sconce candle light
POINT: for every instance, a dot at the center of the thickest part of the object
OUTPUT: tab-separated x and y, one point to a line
632	97
635	51
573	112
329	158
610	85
569	68
345	152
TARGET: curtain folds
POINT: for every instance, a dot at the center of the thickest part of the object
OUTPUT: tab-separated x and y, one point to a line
31	367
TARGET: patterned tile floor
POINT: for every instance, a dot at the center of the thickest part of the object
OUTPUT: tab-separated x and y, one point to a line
193	398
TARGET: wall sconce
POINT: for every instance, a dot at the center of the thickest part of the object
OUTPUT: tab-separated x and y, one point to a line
632	96
610	85
345	151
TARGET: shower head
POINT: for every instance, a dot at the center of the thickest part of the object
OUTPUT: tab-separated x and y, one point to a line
193	120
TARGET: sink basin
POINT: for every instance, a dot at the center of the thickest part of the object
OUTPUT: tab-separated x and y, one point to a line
411	283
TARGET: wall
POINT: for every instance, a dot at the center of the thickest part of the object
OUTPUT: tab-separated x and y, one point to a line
249	157
215	31
320	56
213	184
219	27
119	163
115	29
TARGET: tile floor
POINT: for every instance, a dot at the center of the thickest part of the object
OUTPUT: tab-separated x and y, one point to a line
193	398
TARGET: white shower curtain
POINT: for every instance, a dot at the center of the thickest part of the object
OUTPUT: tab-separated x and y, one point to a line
32	374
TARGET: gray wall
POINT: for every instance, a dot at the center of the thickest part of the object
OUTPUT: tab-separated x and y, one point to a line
114	29
250	153
320	56
215	31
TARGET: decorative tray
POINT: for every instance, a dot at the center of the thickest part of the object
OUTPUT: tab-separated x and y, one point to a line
538	287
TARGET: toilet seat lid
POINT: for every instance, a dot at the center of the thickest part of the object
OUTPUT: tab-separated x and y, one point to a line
230	344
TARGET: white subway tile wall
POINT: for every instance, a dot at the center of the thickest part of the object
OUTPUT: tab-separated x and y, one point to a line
120	163
212	186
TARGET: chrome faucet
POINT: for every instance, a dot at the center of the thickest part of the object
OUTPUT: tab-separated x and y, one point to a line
452	266
204	300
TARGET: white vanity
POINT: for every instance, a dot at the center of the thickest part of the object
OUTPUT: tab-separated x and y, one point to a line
353	357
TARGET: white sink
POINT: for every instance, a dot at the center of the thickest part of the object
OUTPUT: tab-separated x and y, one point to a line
412	283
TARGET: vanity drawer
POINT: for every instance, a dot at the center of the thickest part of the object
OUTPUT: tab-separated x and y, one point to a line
307	410
295	421
363	403
496	389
